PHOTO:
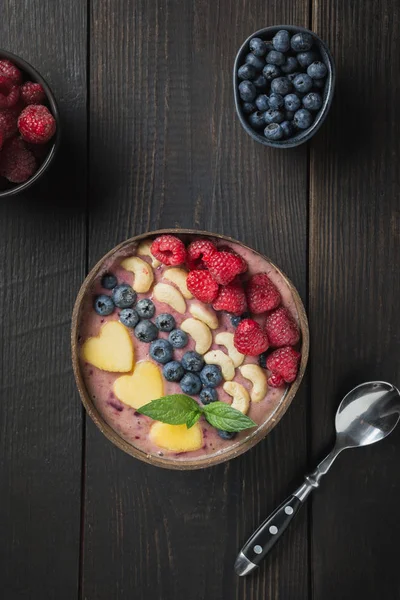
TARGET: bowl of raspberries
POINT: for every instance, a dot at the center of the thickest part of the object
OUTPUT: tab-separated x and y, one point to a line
29	125
283	81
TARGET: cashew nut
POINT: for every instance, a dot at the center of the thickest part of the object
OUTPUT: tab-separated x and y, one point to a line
226	339
142	271
241	399
144	250
217	357
178	277
256	375
200	332
163	292
204	314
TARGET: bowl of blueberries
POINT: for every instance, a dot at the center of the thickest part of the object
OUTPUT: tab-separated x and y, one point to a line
283	81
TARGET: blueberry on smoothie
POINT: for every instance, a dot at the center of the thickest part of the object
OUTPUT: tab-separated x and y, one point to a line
161	350
192	361
124	296
103	305
226	435
173	371
165	322
178	338
145	308
129	317
208	395
211	375
190	384
146	331
108	281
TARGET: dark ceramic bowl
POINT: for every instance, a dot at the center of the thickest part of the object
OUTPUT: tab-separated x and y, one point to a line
33	75
302	136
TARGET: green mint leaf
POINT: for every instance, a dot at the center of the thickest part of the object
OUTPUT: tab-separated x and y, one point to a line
222	416
174	410
193	418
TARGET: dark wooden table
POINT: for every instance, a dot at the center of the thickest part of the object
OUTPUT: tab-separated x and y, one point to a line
150	139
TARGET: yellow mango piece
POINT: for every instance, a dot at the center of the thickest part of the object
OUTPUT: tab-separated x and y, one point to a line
177	438
144	385
111	350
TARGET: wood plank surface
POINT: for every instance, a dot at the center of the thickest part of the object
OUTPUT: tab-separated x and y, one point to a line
354	292
167	150
42	248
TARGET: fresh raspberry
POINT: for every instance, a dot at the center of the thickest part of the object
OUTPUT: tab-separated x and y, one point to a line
9	92
169	250
281	328
198	252
8	122
283	362
36	124
17	164
249	338
202	286
32	93
224	266
275	380
229	249
261	294
231	298
8	69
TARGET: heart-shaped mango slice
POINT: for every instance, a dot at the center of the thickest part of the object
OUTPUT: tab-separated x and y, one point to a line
111	350
177	438
143	386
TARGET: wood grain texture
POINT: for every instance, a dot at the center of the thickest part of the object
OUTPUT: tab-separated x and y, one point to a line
354	291
167	150
42	248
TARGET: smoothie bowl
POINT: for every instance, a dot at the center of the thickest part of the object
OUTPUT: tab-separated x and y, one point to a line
187	347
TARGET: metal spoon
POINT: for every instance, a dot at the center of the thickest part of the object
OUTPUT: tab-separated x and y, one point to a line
366	415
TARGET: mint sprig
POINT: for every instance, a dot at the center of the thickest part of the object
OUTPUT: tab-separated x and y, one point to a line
179	409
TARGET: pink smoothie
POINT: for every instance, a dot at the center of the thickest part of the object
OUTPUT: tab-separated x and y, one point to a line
129	424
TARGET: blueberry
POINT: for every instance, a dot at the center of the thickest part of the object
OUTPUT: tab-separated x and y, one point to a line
123	296
281	41
291	65
247	71
211	375
256	120
257	62
146	331
226	435
108	281
190	384
275	101
312	101
261	83
103	305
273	131
287	129
262	360
271	72
129	317
178	338
173	371
319	83
292	102
165	322
258	47
161	350
192	361
247	91
208	395
235	320
248	107
281	85
306	58
289	114
145	308
262	102
273	116
276	58
303	119
317	70
302	83
301	42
